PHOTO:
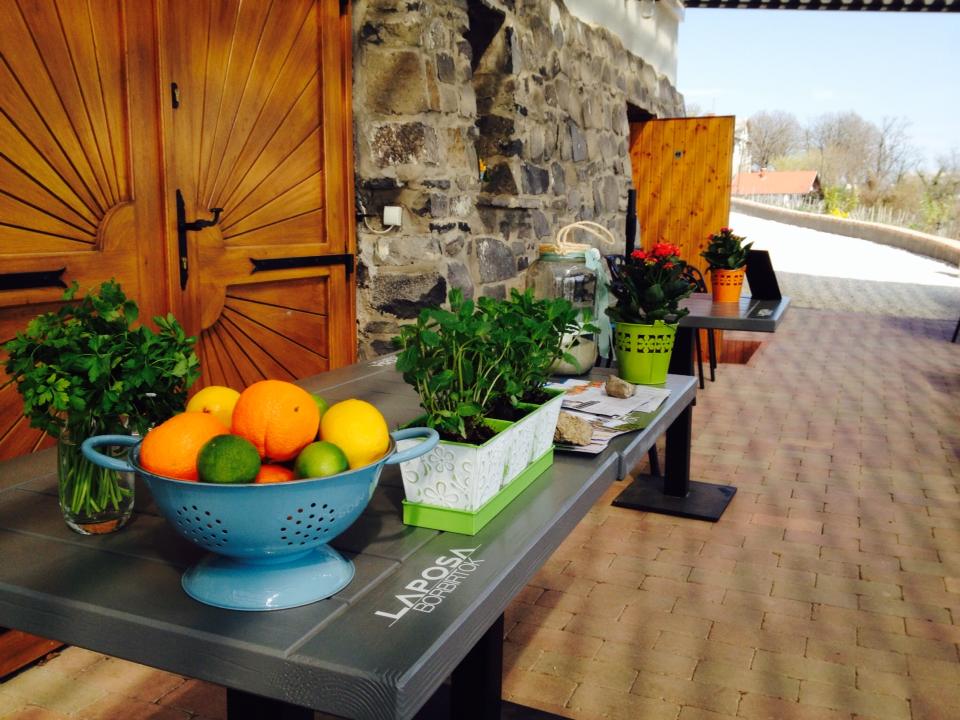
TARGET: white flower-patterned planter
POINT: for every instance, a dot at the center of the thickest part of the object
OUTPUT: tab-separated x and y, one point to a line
533	436
464	477
458	475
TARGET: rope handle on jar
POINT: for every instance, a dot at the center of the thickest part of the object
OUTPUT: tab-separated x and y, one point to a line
564	246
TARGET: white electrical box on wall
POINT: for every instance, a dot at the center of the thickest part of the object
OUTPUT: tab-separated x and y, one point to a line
392	215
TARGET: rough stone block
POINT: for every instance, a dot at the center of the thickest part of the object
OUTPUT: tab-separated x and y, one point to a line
446	69
559	179
403	144
495	260
500	180
403	295
396	82
398	250
535	180
578	143
459	277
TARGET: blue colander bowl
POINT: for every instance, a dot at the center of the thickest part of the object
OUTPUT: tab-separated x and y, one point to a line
269	542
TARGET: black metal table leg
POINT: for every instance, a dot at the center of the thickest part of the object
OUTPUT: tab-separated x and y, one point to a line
475	687
477	681
678	495
246	706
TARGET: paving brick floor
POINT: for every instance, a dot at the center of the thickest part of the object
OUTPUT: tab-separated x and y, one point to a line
829	589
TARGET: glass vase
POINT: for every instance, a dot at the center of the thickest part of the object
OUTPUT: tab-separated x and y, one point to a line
93	499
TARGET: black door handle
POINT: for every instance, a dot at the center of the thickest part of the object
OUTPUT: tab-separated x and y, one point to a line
183	227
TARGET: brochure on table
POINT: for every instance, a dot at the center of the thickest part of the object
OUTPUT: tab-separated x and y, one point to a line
609	416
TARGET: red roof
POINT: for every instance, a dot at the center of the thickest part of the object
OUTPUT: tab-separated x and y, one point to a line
790	182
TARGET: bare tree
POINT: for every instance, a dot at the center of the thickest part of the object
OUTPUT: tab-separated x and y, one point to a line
842	141
771	135
891	155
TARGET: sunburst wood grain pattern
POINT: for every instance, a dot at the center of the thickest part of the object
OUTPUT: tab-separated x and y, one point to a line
249	138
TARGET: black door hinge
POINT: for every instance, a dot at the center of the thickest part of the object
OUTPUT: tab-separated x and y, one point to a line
287	263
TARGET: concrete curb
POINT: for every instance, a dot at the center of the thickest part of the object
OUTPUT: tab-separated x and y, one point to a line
932	246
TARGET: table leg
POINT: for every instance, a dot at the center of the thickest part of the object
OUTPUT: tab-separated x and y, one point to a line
679	495
477	681
681	360
474	691
247	706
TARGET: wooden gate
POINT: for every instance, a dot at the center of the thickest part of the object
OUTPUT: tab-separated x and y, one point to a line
93	152
682	173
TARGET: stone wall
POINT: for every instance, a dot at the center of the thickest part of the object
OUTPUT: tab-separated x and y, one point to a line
544	106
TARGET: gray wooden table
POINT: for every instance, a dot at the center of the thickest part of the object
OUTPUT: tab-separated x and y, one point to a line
748	314
674	493
376	650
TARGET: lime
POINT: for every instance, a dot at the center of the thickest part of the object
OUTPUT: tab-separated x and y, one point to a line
320	459
322	404
228	459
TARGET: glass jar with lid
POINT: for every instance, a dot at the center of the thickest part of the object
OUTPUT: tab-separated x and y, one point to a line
563	273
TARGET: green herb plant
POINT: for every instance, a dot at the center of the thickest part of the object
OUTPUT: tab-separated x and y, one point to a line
446	356
465	360
84	370
534	331
726	250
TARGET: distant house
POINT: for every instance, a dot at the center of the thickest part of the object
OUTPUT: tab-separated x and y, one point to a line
791	186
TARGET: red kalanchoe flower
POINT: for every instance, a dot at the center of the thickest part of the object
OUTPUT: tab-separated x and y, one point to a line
663	250
638	255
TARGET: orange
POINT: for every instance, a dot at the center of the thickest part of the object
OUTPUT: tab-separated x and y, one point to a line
278	417
171	448
357	428
270	473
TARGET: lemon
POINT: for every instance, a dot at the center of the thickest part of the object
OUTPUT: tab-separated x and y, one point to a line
320	459
357	428
228	459
215	400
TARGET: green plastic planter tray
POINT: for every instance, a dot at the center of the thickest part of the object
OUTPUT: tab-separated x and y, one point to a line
467	522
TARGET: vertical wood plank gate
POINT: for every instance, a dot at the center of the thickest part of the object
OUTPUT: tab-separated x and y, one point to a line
682	173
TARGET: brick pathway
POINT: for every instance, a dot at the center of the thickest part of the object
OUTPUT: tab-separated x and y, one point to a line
829	590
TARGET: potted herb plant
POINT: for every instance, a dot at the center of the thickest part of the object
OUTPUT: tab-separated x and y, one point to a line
727	258
84	370
468	364
648	287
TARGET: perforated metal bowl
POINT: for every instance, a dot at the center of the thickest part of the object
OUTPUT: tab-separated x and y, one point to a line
270	540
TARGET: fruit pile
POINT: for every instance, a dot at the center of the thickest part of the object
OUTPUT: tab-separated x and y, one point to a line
271	432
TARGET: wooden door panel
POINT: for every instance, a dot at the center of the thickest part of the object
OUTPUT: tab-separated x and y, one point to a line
298	207
18	185
249	137
279	172
68	135
682	173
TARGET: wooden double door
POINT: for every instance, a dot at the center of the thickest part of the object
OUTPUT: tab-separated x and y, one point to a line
114	108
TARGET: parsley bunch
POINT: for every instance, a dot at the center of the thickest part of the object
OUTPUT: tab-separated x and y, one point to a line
84	369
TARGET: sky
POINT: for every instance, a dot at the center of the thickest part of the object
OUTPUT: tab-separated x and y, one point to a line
808	63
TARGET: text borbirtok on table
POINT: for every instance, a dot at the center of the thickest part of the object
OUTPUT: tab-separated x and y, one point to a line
435	583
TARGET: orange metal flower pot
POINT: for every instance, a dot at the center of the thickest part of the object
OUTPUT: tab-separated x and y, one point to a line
727	284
